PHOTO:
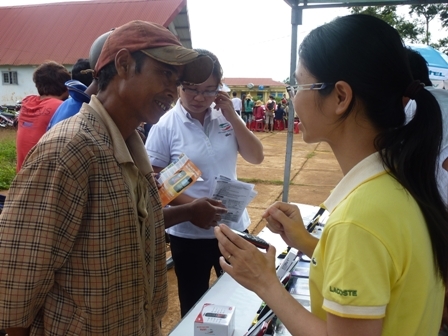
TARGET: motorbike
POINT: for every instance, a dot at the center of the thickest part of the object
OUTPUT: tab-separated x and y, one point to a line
9	115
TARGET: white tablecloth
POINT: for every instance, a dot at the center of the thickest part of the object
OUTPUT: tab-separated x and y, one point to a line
227	292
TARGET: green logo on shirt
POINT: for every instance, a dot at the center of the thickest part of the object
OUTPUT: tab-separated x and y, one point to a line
344	292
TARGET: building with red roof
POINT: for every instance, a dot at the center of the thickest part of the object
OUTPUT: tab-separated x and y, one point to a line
63	32
259	88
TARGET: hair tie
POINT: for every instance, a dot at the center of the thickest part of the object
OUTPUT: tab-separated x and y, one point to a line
413	89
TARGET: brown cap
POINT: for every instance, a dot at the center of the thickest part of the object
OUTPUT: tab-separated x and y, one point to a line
159	43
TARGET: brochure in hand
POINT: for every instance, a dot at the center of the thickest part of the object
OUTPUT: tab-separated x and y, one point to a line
177	177
234	195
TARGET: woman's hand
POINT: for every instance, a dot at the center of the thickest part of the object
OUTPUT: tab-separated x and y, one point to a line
251	268
285	219
224	103
249	146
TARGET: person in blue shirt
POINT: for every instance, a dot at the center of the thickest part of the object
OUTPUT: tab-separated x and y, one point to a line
72	105
80	90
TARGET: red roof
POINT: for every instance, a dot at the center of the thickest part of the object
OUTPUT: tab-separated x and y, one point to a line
64	32
254	81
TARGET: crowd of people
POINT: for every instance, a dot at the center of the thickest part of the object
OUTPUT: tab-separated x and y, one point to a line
273	115
83	231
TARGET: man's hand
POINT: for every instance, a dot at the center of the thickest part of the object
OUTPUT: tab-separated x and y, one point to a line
206	212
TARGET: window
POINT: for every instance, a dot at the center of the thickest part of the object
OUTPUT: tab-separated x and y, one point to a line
9	77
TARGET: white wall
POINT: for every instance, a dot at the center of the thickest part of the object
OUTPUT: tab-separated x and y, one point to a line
11	93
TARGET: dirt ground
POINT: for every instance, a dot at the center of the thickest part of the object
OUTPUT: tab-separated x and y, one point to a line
314	173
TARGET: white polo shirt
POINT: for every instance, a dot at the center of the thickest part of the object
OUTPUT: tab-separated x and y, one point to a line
237	104
212	147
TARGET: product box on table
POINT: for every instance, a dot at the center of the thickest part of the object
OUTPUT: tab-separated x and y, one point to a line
215	320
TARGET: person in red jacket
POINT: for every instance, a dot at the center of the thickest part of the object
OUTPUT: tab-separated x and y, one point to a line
37	110
258	110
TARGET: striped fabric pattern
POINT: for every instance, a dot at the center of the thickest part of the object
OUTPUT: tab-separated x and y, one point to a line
72	259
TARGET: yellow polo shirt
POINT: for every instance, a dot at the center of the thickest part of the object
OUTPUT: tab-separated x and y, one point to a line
374	259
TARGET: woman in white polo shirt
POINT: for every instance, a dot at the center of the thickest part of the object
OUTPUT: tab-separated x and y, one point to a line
205	127
380	265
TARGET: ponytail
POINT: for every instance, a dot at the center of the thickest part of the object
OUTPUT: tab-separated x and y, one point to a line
376	67
410	153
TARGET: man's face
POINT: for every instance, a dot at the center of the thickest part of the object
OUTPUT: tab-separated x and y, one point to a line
153	90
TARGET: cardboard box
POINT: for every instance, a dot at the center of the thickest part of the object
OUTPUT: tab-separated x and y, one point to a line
287	264
215	320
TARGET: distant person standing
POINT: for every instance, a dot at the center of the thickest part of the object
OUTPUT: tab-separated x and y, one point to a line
237	104
280	114
37	110
81	73
284	100
82	85
285	103
258	111
271	106
248	109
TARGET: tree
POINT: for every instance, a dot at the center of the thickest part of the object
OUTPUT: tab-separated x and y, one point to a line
429	12
443	15
441	45
408	30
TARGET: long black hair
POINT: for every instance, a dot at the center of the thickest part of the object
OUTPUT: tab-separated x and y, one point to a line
369	55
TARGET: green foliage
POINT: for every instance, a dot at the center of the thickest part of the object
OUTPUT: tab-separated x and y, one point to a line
429	12
386	13
441	45
7	163
443	15
408	30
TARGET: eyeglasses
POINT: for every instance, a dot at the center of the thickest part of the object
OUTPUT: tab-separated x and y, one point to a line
194	92
303	87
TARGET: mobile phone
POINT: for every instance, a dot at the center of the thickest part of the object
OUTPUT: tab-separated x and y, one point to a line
258	242
177	177
186	181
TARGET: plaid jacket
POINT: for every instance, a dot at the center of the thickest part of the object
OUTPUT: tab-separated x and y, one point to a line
73	259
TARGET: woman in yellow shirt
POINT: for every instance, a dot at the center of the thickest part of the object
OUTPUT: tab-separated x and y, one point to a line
380	265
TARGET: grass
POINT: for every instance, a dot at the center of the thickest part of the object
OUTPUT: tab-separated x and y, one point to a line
310	155
7	157
255	180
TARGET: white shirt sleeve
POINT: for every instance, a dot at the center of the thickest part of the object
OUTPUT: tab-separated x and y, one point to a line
158	146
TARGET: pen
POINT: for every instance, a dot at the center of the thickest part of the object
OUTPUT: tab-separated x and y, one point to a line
313	224
318	213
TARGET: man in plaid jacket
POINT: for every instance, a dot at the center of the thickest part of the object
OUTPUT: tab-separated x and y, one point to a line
82	244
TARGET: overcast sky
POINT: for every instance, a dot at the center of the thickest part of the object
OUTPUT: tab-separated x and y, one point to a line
251	38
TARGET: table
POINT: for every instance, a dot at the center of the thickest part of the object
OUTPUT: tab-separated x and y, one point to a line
227	292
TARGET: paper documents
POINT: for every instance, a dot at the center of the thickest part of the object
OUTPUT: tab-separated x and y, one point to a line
235	195
177	177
